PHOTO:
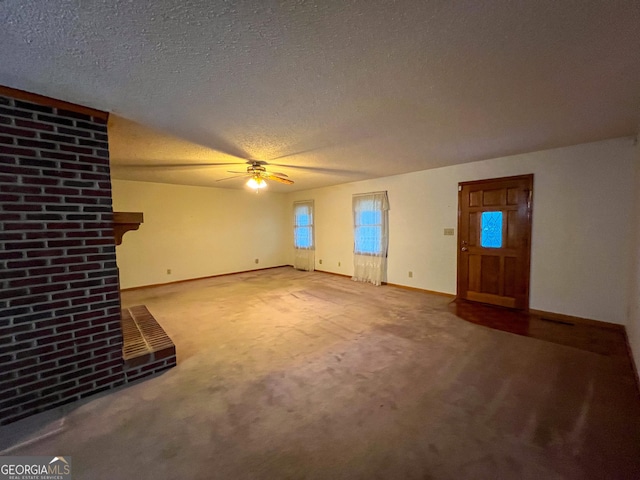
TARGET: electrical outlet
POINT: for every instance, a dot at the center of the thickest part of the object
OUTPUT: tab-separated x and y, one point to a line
338	263
320	261
410	274
168	271
449	231
257	260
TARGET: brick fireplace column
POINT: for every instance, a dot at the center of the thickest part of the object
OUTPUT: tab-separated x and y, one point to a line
60	334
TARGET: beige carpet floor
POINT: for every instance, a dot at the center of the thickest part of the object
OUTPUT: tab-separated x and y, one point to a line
294	375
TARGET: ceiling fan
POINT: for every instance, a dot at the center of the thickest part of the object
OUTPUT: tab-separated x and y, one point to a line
256	170
258	175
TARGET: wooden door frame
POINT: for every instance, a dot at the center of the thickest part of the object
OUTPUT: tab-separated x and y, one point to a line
527	260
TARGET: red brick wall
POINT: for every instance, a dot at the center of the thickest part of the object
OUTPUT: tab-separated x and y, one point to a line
60	336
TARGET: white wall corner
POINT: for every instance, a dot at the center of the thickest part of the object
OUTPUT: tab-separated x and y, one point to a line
633	311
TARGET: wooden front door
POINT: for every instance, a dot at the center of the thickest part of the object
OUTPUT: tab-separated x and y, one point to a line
494	241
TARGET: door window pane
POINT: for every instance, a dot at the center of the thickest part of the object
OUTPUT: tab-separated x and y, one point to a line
491	230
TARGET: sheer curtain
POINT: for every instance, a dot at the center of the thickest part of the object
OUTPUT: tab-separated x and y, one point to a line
304	246
371	237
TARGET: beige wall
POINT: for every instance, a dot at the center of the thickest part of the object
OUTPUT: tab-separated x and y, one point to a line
633	323
582	225
197	231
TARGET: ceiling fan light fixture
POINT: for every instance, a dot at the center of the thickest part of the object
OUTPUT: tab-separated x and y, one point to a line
256	183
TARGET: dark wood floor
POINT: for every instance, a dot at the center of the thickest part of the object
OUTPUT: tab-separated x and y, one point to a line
605	339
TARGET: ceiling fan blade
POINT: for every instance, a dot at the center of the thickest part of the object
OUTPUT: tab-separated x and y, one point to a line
328	171
279	174
173	165
229	178
278	179
235	171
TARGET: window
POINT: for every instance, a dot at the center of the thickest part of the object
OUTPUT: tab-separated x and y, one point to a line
491	230
303	224
304	254
370	236
368	228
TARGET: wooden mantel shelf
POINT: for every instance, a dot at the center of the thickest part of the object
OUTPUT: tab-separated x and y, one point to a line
125	221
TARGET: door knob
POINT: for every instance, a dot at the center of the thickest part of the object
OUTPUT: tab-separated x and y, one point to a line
464	249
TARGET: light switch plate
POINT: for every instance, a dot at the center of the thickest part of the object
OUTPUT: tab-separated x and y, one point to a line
449	231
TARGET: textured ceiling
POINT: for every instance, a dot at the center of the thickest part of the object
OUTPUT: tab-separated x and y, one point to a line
331	91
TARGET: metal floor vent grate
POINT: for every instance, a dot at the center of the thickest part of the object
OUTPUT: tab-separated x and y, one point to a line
560	322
